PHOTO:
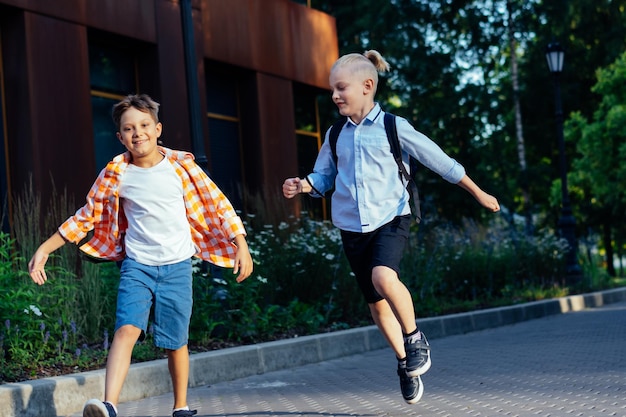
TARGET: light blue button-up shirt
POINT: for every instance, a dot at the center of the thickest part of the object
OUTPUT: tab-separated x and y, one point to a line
368	192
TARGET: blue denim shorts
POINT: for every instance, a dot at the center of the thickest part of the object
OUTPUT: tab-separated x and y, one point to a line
168	289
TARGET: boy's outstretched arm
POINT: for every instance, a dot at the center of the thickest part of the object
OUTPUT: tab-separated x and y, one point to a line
486	200
243	259
39	259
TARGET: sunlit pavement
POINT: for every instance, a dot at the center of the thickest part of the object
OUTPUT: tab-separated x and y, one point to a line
563	365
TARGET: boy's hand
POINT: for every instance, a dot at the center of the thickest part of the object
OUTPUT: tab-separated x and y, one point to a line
486	200
243	259
292	187
489	202
39	259
36	267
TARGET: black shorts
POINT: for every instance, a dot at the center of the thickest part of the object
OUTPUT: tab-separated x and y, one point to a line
382	247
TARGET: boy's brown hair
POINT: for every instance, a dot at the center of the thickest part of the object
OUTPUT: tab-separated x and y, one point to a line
142	102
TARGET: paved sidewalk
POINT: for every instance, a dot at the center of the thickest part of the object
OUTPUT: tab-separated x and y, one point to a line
560	365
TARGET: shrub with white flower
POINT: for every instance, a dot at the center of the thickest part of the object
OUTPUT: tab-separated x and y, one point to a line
34	309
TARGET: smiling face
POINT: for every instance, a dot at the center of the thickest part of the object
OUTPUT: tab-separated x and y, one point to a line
352	92
139	133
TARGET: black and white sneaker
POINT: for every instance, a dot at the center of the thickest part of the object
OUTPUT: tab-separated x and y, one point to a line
411	386
417	355
97	408
184	413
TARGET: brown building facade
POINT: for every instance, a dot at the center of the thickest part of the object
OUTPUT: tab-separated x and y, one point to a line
237	81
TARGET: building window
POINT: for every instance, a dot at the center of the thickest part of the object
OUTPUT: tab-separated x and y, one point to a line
309	142
223	118
113	75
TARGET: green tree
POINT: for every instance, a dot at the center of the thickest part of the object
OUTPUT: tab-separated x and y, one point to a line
593	35
599	173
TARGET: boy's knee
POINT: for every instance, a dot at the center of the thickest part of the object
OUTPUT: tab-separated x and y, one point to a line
383	277
380	308
383	272
128	331
181	352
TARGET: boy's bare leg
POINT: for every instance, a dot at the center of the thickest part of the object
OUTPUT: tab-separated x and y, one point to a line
399	302
178	364
389	326
118	361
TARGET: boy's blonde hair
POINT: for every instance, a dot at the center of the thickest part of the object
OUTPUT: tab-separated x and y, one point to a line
370	63
142	102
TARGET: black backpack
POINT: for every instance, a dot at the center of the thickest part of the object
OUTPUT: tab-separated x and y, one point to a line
392	137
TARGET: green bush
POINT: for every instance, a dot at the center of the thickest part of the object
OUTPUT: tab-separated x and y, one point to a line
454	269
39	323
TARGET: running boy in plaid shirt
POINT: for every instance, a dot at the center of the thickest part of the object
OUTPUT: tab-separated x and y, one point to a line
154	235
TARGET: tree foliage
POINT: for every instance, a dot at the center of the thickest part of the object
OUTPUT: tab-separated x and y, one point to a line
599	173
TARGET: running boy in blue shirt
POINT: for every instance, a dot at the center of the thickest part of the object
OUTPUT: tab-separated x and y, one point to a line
371	206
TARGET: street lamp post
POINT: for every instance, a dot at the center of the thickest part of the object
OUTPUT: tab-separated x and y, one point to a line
567	224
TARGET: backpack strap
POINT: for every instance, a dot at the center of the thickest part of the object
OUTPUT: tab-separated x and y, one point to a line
334	135
394	143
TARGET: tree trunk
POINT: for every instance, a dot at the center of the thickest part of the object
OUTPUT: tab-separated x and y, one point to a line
608	247
519	130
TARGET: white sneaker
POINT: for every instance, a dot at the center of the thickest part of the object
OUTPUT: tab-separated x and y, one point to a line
97	408
417	356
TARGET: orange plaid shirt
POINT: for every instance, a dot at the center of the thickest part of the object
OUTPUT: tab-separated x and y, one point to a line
212	219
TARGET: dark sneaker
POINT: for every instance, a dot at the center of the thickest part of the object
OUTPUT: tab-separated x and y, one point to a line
417	356
97	408
184	413
411	386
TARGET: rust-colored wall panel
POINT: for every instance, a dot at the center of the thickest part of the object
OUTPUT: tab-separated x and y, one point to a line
132	18
57	108
222	21
271	51
280	37
314	35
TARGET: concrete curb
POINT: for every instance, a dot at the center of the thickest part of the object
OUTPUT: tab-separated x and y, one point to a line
65	395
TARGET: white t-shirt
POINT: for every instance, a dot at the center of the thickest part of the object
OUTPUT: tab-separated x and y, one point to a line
158	230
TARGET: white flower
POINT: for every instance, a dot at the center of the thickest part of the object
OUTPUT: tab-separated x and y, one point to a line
34	309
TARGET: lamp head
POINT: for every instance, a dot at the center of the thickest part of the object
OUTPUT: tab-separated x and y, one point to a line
555	56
